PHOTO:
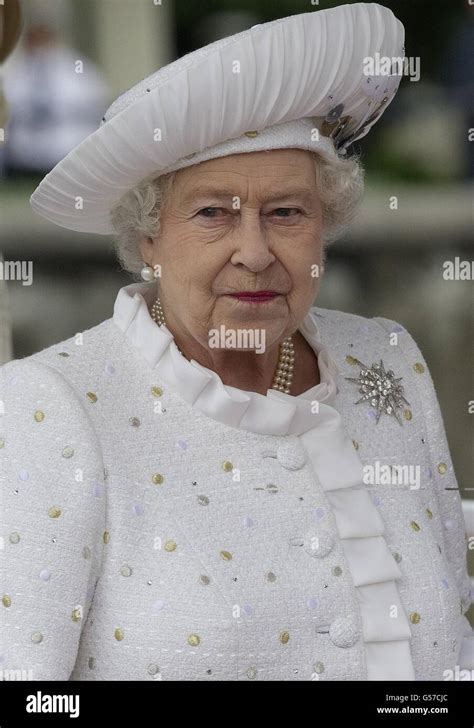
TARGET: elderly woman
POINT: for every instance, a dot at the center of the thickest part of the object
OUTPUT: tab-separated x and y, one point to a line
216	483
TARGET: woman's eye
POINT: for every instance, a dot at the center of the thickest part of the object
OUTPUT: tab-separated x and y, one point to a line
209	211
286	212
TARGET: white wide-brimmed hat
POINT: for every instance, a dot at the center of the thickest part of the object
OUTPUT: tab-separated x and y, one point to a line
302	82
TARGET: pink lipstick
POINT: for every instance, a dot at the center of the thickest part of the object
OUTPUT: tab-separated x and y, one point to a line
255	296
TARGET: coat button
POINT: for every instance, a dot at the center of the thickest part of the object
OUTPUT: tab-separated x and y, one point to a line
343	632
319	544
291	454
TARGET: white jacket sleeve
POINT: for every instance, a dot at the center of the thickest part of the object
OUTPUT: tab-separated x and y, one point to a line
52	520
445	483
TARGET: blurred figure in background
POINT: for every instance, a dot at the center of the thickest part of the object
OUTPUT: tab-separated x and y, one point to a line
10	25
56	96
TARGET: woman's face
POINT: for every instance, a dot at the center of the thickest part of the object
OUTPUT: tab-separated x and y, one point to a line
243	223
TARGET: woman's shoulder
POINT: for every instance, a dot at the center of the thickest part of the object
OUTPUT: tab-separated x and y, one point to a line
67	364
351	323
343	331
42	394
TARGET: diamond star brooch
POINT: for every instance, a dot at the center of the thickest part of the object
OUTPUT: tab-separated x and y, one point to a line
380	388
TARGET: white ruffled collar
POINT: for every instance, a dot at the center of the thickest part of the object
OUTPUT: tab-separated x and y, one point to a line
275	413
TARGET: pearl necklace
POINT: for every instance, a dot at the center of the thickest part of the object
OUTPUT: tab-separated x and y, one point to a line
283	377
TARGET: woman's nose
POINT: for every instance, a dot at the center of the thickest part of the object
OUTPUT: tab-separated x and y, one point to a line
252	243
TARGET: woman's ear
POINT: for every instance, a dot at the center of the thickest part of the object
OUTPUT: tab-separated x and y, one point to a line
146	247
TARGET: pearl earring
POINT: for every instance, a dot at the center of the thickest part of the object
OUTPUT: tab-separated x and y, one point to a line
147	273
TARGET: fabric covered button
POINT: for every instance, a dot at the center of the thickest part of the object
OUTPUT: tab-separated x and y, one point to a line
291	454
318	668
319	544
343	632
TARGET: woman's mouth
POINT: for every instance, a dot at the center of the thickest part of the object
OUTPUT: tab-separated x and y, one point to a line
255	296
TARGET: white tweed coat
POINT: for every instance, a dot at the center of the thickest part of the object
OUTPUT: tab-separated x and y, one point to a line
157	525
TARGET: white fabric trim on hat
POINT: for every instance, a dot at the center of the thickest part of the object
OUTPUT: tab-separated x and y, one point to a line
290	135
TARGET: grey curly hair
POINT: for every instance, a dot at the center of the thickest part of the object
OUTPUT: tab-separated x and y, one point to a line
340	184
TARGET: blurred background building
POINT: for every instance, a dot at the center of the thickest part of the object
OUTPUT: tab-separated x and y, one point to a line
75	57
